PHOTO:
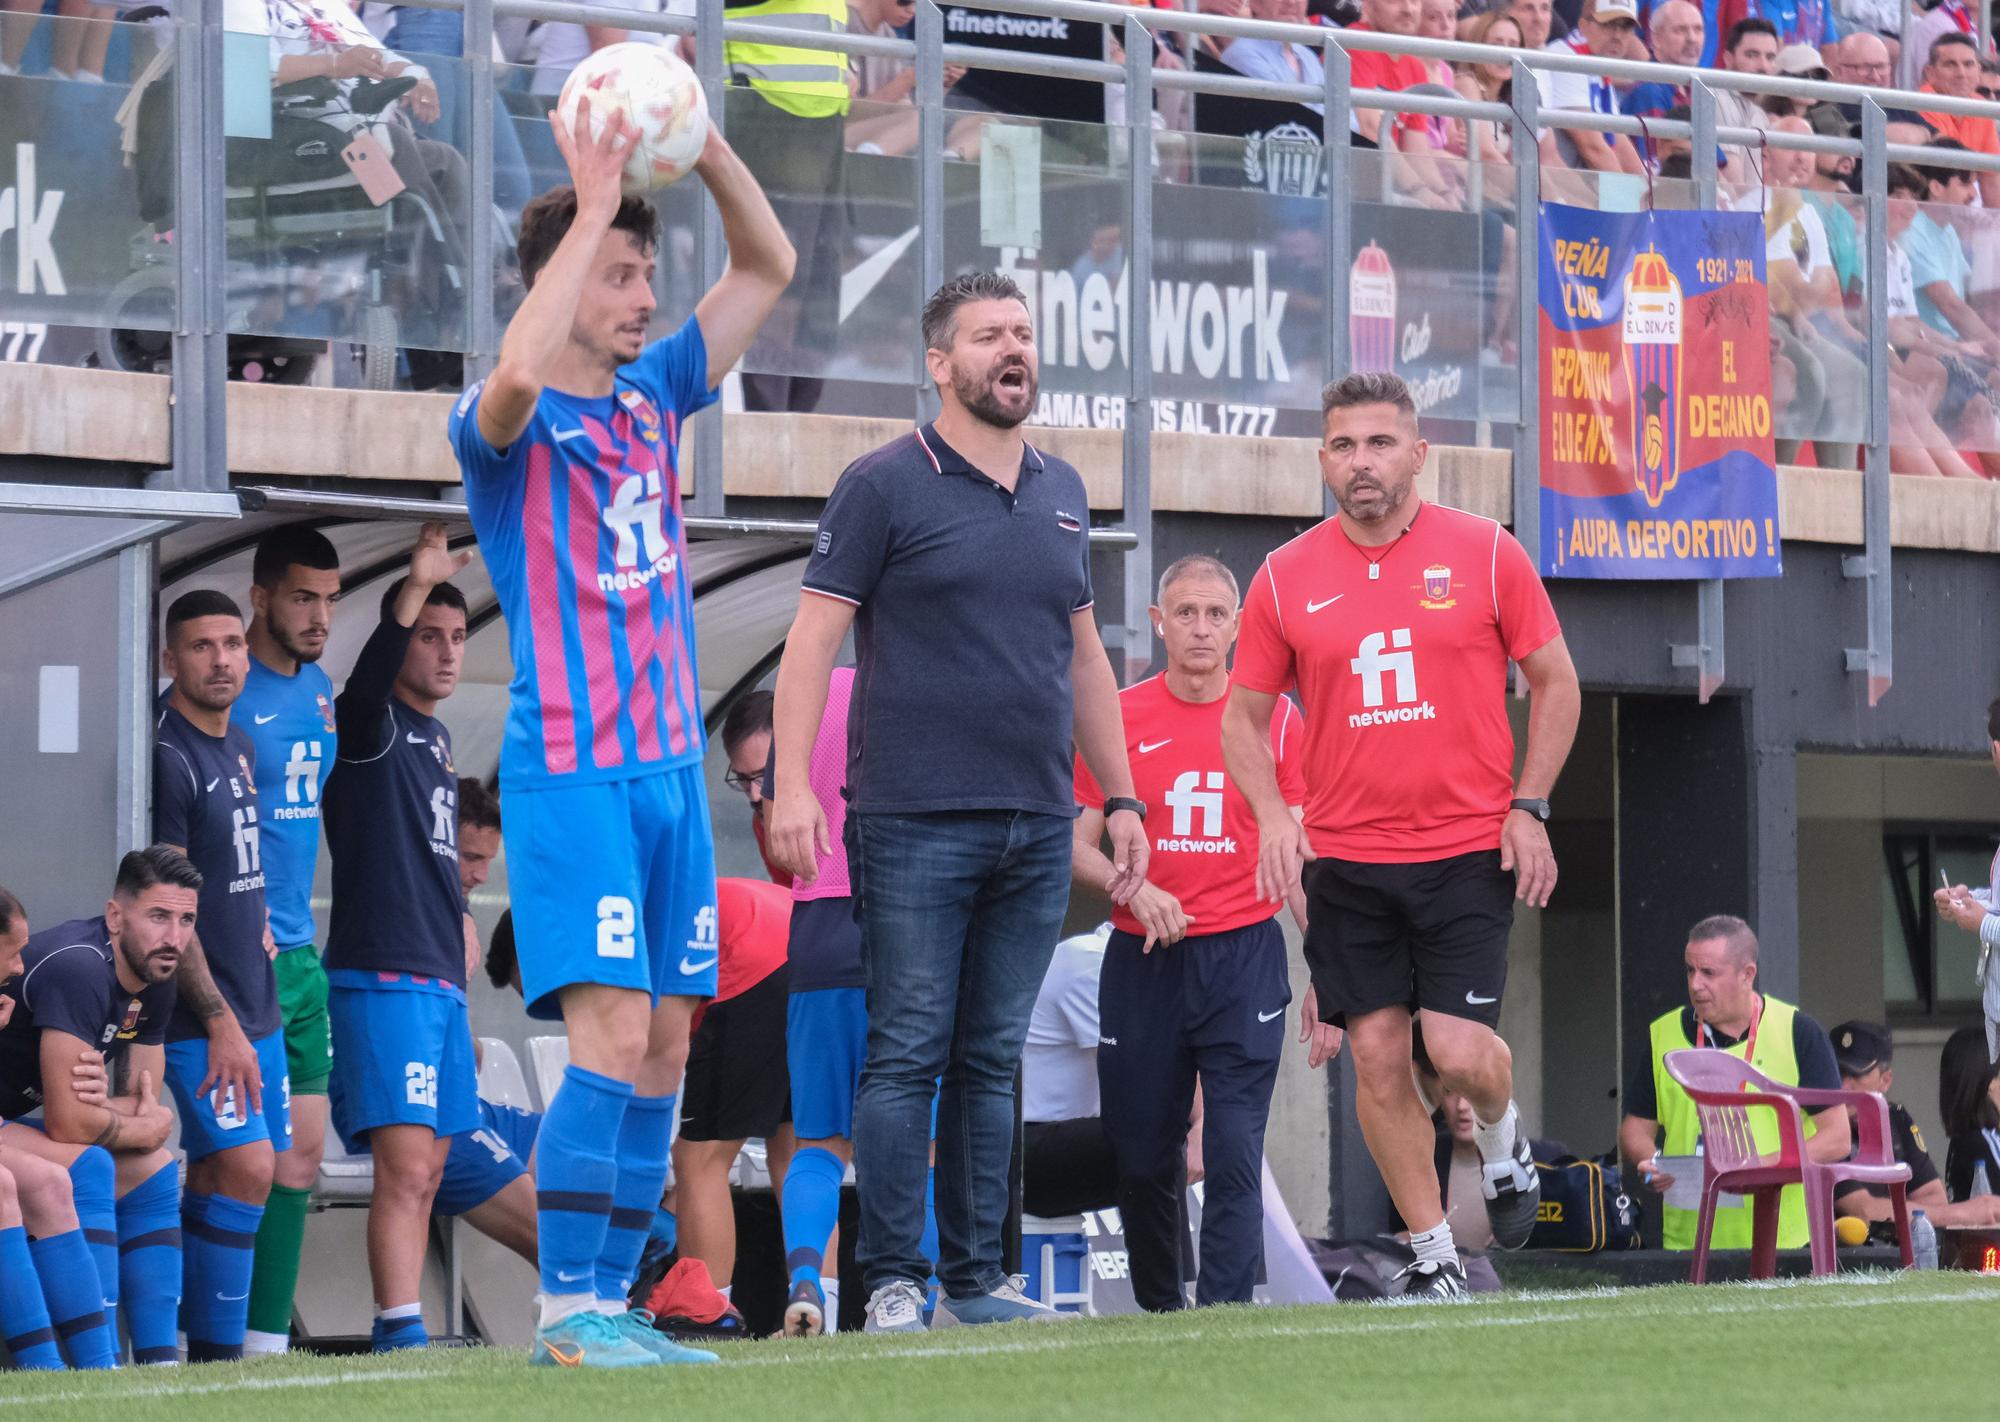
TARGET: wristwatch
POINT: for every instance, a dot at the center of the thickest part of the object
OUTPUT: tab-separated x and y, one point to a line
1538	808
1114	803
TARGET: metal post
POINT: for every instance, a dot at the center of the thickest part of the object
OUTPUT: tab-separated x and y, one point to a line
134	825
1872	565
1527	314
482	335
713	253
1138	461
1335	292
1706	655
930	178
201	350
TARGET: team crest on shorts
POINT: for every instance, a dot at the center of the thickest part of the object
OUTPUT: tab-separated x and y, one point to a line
326	712
1437	588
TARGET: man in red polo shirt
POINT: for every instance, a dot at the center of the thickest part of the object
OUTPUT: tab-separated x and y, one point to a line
1194	979
1396	620
1420	176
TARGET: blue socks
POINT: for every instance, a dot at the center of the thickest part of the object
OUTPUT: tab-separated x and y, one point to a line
811	1210
219	1240
93	1183
76	1304
24	1314
576	1174
149	1265
399	1327
643	1138
666	1230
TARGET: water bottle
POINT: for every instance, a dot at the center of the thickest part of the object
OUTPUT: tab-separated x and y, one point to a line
1923	1241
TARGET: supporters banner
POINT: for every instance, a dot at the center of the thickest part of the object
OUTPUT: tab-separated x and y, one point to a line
1657	453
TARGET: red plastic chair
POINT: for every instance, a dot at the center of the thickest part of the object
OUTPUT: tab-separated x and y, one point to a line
1725	1089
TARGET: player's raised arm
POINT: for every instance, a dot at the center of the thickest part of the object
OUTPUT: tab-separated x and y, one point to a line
761	259
540	330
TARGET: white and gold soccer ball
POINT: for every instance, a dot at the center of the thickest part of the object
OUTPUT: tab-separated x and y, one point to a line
659	96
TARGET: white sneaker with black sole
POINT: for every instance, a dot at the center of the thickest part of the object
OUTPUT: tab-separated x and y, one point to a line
1513	1190
1434	1281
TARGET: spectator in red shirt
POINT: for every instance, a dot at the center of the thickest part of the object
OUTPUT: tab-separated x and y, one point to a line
1396	621
1418	174
1954	72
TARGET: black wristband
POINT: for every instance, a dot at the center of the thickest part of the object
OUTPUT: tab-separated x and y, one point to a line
1113	804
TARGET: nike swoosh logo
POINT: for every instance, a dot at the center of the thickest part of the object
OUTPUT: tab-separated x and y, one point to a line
413	740
571	1278
1145	749
233	1298
213	783
1316	606
1267	1016
571	1359
568	434
1478	1001
689	969
265	720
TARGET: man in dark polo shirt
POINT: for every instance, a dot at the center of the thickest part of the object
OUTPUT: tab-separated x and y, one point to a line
960	555
1866	1055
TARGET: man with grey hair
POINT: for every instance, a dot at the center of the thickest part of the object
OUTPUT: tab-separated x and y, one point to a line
1396	620
1194	980
960	555
1661	1134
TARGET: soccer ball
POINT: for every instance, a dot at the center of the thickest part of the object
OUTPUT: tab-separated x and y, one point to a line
658	94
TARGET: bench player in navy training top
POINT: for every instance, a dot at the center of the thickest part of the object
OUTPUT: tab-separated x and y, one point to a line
226	1044
570	452
287	711
403	1078
94	995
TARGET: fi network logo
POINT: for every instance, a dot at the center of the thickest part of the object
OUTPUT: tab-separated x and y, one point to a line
1386	662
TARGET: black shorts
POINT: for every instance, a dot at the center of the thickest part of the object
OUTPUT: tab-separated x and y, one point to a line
736	1085
1430	935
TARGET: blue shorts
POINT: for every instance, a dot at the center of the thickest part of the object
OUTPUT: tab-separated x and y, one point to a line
402	1056
826	1041
613	884
218	1121
486	1161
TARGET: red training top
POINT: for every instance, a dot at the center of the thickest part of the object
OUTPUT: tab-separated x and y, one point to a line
1372	69
755	929
1204	832
1401	656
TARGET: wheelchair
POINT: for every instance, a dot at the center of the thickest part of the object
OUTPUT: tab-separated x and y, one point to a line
294	206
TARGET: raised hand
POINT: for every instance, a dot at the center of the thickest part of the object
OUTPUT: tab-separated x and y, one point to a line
433	562
596	158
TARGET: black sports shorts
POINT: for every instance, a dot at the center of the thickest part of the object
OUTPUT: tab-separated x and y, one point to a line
736	1086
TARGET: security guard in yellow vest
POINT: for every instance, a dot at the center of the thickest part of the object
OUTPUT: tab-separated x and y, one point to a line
793	135
1725	1010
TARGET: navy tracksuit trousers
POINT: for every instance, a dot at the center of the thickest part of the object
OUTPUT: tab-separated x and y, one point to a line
1212	1007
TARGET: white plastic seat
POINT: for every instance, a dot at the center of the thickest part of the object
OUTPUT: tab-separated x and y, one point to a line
549	1056
501	1079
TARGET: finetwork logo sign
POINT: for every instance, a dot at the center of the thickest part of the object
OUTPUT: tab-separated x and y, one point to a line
1380	669
30	216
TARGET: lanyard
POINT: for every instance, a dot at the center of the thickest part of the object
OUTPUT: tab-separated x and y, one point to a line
1749	1043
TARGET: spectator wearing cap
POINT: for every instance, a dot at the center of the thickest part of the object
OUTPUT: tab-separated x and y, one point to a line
1953	71
1828	191
1948	17
1725	1011
1866	1053
1939	267
1806	22
1608	29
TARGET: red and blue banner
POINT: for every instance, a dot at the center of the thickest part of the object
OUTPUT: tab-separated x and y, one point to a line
1657	452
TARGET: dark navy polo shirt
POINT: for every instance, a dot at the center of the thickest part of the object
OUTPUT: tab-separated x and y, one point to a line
962	697
68	982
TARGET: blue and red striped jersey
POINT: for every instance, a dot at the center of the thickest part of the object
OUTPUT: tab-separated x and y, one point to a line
579	521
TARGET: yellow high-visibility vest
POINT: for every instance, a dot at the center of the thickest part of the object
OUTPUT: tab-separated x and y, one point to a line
811	83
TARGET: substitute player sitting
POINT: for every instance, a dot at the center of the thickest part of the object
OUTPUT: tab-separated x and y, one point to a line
403	1080
570	452
1194	977
94	995
1396	620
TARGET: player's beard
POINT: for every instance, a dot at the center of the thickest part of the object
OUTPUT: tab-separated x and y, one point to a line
1392	499
982	398
304	656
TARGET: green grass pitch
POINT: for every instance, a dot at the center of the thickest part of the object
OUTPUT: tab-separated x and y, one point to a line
1917	1345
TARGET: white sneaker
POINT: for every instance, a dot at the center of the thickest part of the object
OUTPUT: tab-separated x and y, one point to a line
896	1308
1006	1304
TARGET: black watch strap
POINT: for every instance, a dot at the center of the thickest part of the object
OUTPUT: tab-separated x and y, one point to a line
1114	803
1538	808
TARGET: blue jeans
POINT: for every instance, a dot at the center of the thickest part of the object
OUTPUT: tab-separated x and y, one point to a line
959	914
426	35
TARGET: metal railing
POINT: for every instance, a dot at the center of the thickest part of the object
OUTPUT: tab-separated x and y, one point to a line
199	339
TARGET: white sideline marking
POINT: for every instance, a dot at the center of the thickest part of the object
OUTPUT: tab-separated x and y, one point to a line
1412	1318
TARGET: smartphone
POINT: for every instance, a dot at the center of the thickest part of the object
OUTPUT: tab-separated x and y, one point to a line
369	161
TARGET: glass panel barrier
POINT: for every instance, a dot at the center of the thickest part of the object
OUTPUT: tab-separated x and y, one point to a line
88	273
1944	334
347	219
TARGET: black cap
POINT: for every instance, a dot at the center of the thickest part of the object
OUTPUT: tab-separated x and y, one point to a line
1862	1046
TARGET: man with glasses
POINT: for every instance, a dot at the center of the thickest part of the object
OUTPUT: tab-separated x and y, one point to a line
746	744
